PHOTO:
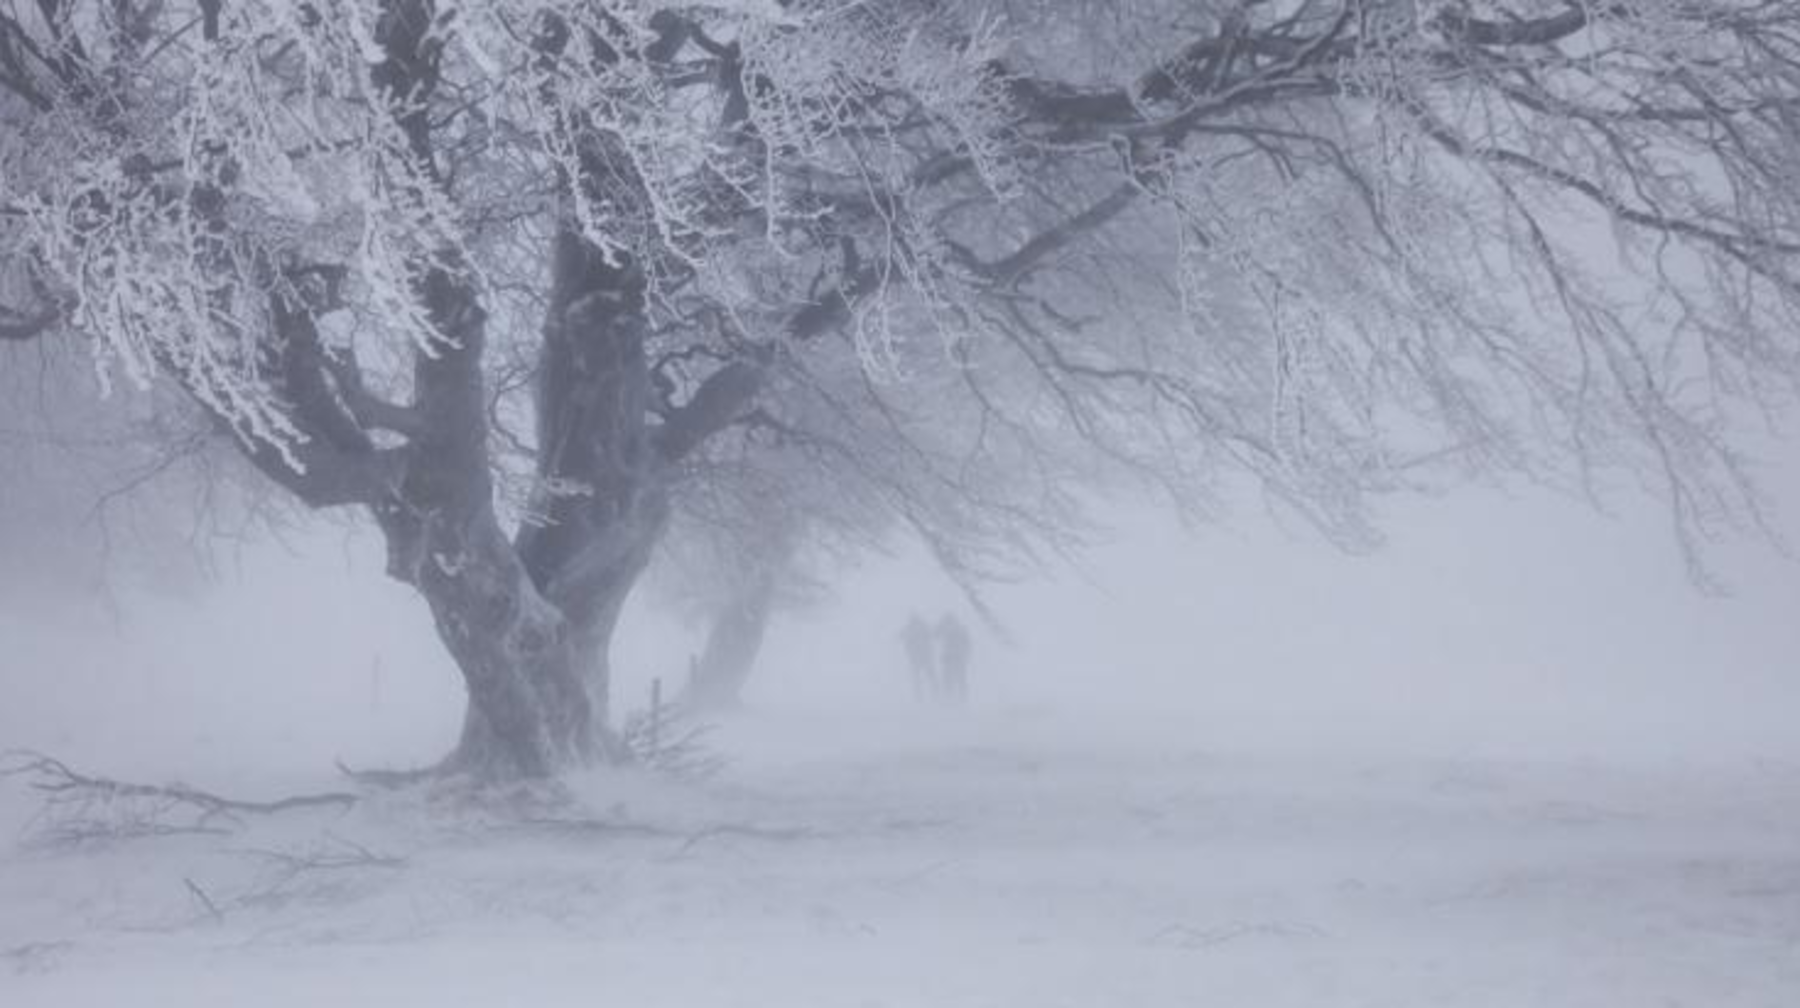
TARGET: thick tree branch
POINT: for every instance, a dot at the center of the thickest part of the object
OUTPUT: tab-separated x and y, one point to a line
370	410
322	475
1011	268
715	405
1458	25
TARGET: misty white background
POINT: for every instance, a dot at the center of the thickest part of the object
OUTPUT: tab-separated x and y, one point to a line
1491	624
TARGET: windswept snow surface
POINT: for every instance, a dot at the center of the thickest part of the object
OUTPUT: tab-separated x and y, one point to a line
969	859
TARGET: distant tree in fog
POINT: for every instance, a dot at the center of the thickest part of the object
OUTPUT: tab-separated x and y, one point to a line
730	568
510	277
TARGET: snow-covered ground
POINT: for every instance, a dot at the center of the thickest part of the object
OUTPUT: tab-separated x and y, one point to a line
995	857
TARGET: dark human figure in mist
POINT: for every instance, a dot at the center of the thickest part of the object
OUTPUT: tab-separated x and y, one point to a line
953	654
921	657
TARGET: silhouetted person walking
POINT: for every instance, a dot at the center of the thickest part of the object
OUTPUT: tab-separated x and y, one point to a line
953	658
917	638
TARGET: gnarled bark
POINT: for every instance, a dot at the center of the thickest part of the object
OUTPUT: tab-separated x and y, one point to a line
528	707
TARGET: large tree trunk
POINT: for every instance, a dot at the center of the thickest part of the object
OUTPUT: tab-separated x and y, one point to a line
602	503
732	645
529	620
534	656
529	712
762	566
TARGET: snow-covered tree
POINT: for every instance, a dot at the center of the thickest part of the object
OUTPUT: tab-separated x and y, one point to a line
509	276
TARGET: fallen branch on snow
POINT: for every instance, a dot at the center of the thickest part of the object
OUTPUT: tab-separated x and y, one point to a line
79	808
286	871
289	875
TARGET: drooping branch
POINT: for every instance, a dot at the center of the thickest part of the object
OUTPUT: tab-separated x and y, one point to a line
330	459
323	476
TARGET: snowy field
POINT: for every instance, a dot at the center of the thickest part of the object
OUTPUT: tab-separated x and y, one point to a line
998	858
1424	779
